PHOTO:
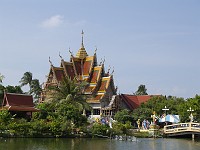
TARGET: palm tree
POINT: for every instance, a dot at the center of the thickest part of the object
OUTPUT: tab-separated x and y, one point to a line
1	78
35	88
69	92
26	80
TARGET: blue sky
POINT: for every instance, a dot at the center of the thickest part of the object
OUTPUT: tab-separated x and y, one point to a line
150	42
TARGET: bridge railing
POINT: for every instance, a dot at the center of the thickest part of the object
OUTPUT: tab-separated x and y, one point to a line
182	127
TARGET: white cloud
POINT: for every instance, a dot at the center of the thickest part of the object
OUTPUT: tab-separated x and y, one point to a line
53	21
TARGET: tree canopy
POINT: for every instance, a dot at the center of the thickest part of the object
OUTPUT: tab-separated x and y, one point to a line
34	85
176	106
141	90
1	78
69	92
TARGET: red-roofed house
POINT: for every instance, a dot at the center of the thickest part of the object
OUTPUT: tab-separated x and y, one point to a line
132	102
20	104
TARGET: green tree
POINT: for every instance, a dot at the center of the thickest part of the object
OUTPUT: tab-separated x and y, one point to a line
123	116
5	117
69	92
26	80
157	103
35	88
1	78
194	103
2	88
141	90
13	89
9	89
142	113
34	85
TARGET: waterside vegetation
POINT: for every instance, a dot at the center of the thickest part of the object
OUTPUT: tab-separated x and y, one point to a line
62	115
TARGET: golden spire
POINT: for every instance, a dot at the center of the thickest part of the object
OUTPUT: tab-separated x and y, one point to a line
82	52
82	46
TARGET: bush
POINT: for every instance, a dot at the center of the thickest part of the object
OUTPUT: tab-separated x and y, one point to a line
99	129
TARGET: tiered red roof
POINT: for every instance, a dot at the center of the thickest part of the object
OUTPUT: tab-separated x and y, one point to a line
59	73
77	64
68	67
18	102
87	66
84	68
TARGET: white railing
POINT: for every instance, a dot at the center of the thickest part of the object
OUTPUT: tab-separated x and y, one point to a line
182	127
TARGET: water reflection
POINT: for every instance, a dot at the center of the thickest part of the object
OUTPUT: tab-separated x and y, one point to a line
96	144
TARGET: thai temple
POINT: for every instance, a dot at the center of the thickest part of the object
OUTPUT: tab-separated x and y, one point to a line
101	91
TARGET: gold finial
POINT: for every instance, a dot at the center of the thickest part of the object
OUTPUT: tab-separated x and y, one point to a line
95	51
82	46
101	62
104	60
60	56
82	52
70	52
109	70
50	61
113	71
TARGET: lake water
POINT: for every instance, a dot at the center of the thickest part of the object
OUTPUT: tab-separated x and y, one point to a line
97	144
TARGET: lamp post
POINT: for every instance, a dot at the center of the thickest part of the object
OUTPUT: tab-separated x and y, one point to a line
165	109
191	116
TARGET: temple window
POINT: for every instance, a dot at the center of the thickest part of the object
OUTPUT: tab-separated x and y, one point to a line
96	111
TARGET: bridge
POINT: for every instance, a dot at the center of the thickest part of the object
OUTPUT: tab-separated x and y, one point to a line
182	129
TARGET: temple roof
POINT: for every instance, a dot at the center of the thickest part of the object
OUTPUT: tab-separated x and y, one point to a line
134	101
88	64
104	84
68	68
96	74
18	102
59	73
96	99
84	68
81	54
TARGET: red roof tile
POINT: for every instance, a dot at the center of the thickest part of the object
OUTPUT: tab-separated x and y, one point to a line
95	76
18	102
70	70
12	99
103	85
19	108
95	99
78	67
59	74
86	67
89	89
134	101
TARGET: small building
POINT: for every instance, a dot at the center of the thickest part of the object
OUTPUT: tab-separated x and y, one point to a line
132	102
20	105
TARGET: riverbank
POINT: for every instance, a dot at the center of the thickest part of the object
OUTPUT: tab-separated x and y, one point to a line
97	144
134	133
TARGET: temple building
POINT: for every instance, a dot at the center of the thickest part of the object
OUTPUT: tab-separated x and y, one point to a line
101	91
20	105
131	102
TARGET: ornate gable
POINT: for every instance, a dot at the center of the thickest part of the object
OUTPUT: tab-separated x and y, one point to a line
100	87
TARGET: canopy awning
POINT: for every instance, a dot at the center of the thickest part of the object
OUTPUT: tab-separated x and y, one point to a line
170	118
